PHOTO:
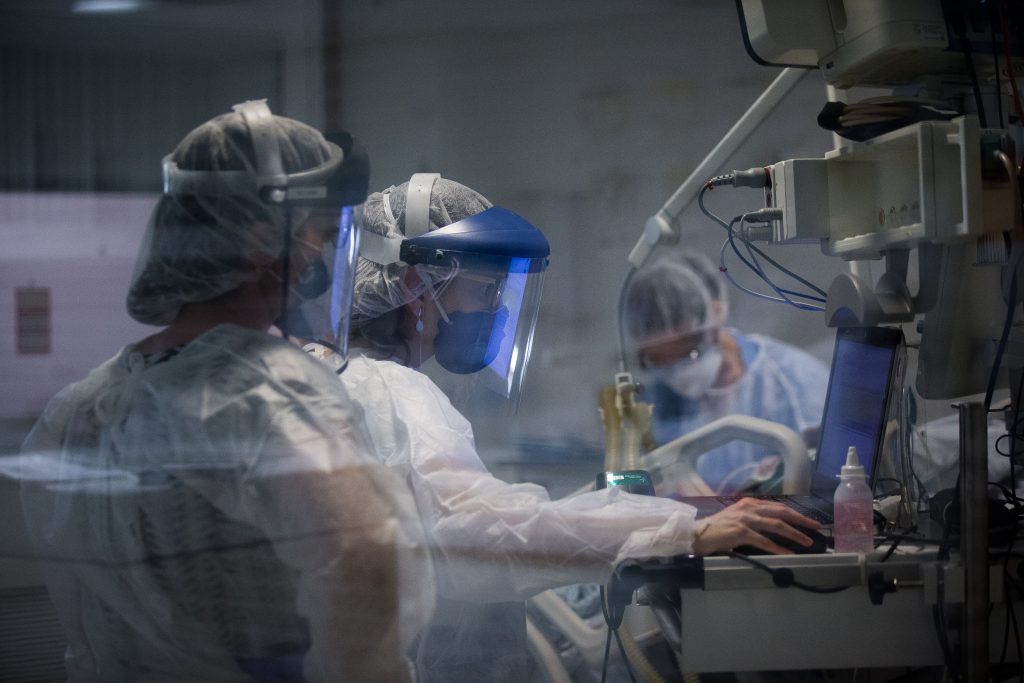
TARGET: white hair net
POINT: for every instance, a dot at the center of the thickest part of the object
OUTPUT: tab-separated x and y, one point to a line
708	273
666	299
380	289
199	247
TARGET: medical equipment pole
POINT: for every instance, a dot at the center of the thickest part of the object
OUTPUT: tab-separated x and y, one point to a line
658	228
974	539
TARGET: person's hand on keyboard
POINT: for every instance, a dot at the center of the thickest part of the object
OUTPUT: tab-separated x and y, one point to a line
744	524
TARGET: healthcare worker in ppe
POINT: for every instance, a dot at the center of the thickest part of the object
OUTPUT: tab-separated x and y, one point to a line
695	369
213	511
445	277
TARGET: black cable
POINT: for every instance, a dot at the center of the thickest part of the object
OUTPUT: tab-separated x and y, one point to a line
1011	617
1009	497
899	486
891	550
1015	421
706	211
608	639
939	620
1011	306
625	659
784	577
609	620
607	651
956	18
947	523
995	60
923	540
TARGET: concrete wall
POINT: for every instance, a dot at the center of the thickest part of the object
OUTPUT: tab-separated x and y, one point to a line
81	247
583	116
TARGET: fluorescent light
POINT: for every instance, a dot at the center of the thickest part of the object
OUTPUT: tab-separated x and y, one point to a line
98	6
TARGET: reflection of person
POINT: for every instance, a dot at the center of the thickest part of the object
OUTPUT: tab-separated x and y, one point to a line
494	542
696	370
257	538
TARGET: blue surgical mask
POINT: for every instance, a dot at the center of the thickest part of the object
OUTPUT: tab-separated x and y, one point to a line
313	280
468	341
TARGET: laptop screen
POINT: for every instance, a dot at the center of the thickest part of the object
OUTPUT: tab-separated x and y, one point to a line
855	406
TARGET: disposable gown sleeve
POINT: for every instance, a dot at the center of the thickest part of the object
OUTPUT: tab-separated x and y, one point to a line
495	541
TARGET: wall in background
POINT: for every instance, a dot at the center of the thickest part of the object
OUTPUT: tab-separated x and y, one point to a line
583	117
82	248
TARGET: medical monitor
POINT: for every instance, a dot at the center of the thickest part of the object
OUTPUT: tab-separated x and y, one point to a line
880	43
861	384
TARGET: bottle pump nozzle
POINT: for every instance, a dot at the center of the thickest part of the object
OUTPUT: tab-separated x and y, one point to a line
852	468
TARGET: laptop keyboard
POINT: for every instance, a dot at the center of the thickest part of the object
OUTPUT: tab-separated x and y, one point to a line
805	505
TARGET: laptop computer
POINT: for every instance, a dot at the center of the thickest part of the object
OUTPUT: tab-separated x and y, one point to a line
860	386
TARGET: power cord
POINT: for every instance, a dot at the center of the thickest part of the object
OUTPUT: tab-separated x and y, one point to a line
613	613
783	577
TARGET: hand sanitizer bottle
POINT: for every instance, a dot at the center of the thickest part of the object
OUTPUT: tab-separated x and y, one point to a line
853	509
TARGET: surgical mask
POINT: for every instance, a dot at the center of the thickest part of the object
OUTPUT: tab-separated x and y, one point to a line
309	312
691	378
313	281
468	342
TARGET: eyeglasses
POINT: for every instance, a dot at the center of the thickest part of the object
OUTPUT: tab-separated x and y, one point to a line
472	291
684	348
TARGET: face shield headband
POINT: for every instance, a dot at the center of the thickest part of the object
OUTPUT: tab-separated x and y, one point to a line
316	301
491	265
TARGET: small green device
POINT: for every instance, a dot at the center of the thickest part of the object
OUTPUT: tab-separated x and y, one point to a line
633	481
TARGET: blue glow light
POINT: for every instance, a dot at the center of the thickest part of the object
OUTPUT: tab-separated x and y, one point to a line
103	6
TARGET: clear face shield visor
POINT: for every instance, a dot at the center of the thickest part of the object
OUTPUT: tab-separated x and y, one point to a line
485	327
484	275
318	206
321	266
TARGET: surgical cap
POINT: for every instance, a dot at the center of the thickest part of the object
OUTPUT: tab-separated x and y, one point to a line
199	247
380	289
707	271
666	299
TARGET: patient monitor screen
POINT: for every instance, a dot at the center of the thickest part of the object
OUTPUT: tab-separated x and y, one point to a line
859	387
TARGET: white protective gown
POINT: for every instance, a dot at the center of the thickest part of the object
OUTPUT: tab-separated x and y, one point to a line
234	522
495	542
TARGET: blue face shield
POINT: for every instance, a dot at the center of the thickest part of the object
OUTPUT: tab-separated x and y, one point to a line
469	342
488	269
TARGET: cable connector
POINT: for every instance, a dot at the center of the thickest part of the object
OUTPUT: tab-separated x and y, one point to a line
752	177
765	215
756	233
726	179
